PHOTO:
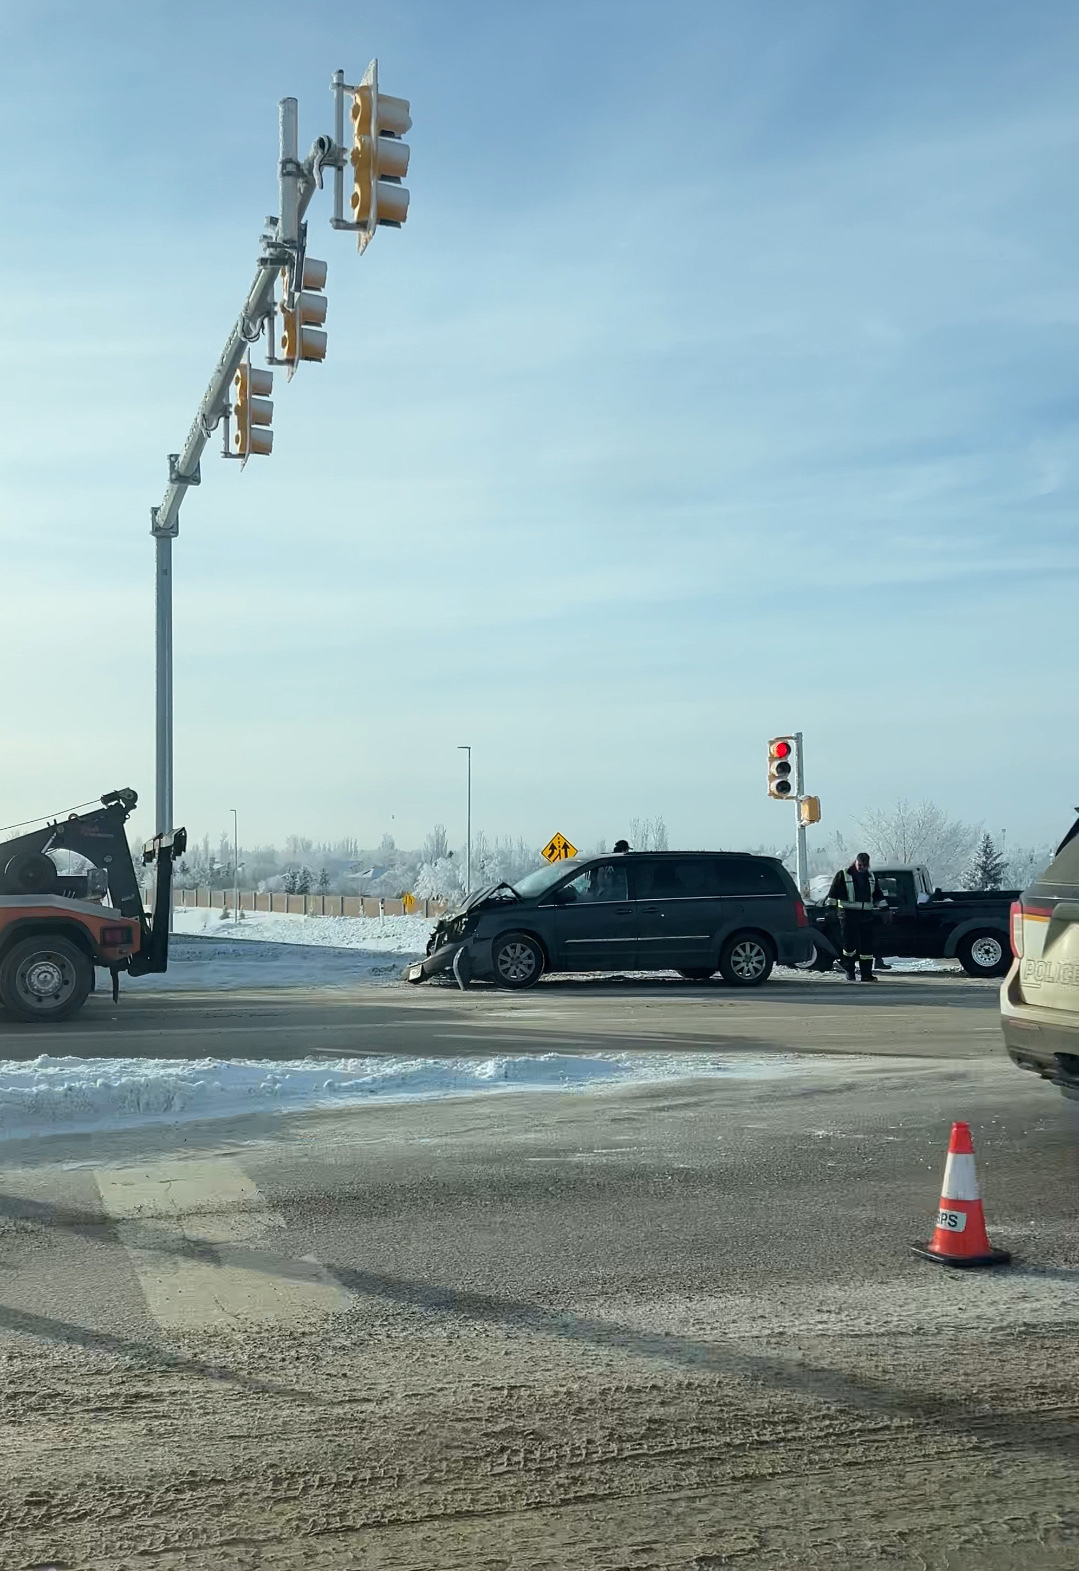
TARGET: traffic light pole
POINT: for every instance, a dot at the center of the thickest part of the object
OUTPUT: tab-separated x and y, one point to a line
801	858
281	246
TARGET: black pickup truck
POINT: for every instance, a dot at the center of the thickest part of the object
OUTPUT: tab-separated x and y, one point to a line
928	923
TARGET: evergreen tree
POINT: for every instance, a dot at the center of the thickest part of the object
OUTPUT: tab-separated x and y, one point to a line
303	881
323	880
988	868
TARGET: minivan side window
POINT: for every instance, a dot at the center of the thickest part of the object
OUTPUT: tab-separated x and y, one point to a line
745	875
667	878
605	881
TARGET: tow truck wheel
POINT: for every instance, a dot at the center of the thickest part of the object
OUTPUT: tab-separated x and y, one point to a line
517	960
985	954
44	978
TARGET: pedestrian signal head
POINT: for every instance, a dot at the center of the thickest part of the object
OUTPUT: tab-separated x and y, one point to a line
809	810
782	768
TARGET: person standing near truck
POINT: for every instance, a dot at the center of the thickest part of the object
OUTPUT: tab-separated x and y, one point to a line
857	895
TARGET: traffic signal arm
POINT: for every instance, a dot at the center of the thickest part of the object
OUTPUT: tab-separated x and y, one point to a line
184	470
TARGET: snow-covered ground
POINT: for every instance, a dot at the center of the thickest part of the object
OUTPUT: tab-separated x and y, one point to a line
72	1095
400	935
264	950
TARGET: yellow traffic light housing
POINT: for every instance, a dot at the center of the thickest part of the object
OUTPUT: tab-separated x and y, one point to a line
252	411
301	335
379	158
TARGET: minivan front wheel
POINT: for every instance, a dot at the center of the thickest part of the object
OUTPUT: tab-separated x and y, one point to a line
517	960
746	960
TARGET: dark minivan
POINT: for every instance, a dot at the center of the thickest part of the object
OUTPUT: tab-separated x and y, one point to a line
695	912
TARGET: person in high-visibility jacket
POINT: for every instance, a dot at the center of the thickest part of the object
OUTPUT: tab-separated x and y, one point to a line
857	895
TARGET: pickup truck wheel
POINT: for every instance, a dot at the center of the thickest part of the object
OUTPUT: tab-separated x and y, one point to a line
985	954
746	960
45	978
517	960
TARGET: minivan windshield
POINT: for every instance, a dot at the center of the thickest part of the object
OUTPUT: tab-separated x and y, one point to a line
543	878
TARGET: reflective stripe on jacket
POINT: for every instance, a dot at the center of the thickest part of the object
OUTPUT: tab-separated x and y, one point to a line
846	900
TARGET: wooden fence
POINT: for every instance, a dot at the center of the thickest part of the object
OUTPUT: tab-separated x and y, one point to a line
305	905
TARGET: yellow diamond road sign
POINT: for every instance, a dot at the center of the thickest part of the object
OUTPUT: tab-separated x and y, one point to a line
558	849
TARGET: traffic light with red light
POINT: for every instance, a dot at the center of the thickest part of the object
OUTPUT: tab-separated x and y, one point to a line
379	158
782	768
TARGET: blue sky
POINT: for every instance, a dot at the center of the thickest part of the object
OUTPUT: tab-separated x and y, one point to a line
723	382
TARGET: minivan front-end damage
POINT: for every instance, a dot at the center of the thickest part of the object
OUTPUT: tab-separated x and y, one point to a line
455	932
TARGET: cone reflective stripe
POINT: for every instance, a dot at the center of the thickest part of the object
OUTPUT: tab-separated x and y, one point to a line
960	1238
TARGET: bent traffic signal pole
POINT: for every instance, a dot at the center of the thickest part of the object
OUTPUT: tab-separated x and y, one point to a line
283	254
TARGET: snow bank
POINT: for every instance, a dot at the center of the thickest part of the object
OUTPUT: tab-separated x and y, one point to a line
216	965
399	935
275	950
71	1095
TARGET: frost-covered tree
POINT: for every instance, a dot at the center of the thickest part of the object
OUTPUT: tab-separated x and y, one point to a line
920	833
988	868
288	881
1025	863
323	880
435	846
648	834
303	880
441	880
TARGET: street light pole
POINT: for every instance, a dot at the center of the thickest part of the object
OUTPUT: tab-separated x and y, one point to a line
235	869
468	840
801	859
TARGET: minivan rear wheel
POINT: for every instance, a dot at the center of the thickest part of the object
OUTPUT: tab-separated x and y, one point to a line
746	960
985	954
517	960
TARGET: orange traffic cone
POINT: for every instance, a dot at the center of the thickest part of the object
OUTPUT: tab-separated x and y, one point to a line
959	1238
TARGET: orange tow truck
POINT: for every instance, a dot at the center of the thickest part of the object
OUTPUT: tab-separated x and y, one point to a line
56	926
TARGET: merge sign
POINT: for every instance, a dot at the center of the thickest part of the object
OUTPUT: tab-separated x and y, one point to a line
558	849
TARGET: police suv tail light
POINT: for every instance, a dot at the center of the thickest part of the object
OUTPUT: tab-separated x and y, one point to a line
1017	929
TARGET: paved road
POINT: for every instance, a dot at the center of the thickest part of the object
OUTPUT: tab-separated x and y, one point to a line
920	1015
675	1327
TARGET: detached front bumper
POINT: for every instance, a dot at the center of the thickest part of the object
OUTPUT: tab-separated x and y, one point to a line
441	960
475	960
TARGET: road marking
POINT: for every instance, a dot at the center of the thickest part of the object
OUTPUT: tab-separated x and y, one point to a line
195	1231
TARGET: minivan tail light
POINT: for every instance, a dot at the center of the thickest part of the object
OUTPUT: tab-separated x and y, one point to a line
1017	929
800	918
